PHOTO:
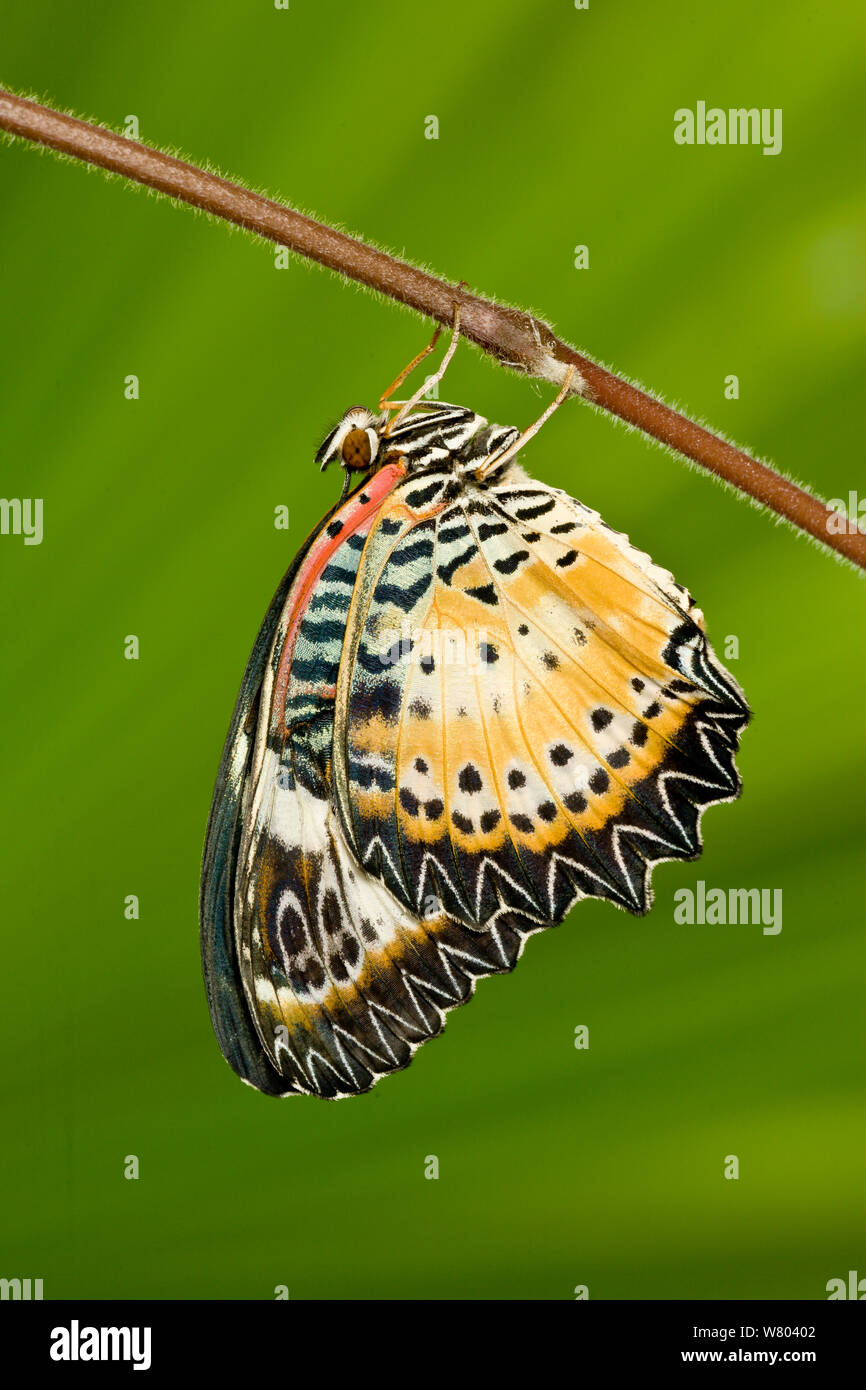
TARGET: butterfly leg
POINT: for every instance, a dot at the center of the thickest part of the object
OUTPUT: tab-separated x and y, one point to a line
385	401
403	407
497	460
431	381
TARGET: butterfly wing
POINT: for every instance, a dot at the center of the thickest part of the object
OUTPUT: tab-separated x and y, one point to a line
231	1020
239	842
395	815
530	713
318	981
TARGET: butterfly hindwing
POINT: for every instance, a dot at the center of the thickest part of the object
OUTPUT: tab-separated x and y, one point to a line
231	1019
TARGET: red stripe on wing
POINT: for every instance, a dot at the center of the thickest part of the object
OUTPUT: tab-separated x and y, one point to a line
352	518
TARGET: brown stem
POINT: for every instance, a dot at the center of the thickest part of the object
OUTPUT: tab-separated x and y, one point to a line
511	336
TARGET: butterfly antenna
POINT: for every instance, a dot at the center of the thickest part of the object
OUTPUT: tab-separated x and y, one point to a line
497	460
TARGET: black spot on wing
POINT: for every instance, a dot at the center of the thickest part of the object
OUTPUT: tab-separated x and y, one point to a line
379	698
403	596
409	554
318	631
368	775
508	564
485	593
457	531
409	801
422	496
447	570
469	779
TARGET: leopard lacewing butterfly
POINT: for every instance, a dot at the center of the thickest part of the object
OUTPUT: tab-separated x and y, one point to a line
471	704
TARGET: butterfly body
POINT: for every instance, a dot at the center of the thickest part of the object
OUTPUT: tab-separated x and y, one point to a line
471	704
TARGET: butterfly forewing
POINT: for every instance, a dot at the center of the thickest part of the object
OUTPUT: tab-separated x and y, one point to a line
543	711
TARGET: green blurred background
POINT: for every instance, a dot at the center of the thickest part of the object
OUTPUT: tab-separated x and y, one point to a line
558	1167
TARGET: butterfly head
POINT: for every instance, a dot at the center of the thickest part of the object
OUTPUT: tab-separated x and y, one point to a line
353	442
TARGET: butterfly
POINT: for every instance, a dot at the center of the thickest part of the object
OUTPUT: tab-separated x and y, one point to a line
470	705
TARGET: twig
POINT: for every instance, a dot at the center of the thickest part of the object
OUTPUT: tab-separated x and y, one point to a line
514	338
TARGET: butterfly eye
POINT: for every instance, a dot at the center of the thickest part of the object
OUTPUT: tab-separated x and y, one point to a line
359	449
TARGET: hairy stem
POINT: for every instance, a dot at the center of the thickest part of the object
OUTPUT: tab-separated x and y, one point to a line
512	337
